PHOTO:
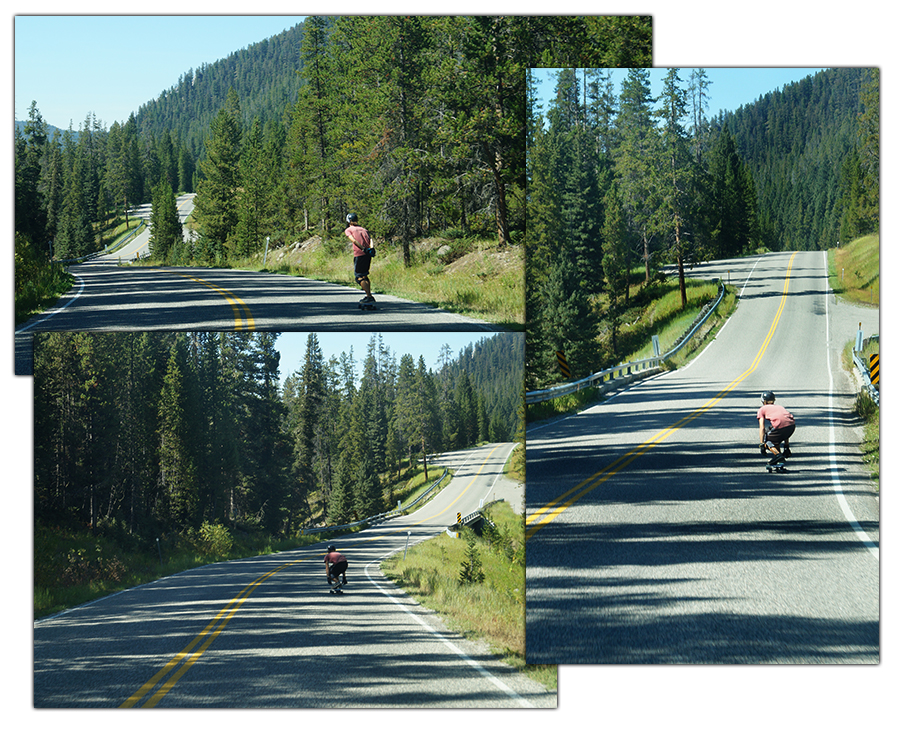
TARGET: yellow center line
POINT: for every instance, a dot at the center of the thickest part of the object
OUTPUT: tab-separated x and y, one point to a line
183	661
552	510
243	319
184	658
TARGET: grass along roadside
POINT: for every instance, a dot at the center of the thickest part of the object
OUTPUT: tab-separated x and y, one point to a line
73	566
854	271
457	273
854	275
869	413
477	584
663	317
473	278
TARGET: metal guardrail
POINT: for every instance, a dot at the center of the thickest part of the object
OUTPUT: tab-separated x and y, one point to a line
640	366
379	517
121	242
862	366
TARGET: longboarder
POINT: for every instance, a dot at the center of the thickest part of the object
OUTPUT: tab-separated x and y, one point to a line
362	258
335	570
781	428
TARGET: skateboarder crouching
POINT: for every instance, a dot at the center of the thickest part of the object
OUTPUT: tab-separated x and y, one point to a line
781	428
362	255
335	565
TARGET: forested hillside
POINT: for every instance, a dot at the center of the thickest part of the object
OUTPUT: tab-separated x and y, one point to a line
159	432
621	184
414	122
812	149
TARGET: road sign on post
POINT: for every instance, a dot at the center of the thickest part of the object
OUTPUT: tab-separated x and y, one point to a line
563	365
458	518
873	369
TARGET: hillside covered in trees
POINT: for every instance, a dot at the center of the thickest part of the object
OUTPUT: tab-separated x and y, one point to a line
621	184
415	122
157	432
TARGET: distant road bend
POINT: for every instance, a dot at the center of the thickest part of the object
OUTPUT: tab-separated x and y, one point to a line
265	632
107	297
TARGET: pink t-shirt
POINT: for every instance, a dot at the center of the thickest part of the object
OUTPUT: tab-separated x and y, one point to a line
776	415
360	237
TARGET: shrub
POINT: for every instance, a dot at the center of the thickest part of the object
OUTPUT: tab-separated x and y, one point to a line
214	539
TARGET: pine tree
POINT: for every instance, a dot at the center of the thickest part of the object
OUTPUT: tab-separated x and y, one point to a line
471	570
217	195
615	262
675	174
166	234
177	503
635	156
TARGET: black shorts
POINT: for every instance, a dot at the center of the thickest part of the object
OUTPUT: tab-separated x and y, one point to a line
361	266
338	568
779	435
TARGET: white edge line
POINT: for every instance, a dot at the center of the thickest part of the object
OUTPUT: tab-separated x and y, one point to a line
835	479
61	308
493	679
497	474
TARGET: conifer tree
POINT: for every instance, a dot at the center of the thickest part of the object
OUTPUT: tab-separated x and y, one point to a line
635	156
217	195
675	174
177	503
166	234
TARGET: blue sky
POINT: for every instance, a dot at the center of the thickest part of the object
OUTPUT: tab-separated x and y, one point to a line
729	88
111	65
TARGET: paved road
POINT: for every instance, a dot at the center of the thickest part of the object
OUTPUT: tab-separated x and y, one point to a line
265	632
654	529
108	297
140	245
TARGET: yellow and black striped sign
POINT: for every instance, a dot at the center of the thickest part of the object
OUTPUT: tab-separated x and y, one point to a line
873	369
563	365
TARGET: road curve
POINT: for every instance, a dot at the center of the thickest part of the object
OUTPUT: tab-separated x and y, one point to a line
654	529
107	297
265	632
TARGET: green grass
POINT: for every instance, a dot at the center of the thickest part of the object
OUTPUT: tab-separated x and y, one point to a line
409	490
854	275
871	443
38	282
493	610
664	317
73	567
854	270
655	310
470	277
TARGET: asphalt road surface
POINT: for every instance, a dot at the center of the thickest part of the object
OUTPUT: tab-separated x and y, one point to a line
656	535
266	632
107	296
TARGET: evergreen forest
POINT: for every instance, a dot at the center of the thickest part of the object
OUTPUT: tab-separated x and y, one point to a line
415	122
157	433
622	185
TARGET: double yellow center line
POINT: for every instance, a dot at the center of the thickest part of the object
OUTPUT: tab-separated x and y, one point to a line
243	319
549	512
182	662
